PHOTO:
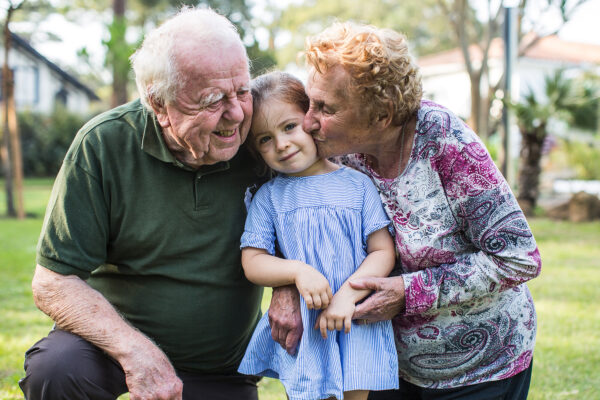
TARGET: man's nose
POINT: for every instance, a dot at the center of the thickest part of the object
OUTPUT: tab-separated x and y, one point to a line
310	124
234	110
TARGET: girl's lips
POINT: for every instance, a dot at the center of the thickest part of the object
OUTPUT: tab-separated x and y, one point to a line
289	156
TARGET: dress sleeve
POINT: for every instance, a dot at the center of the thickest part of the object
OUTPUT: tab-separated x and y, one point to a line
374	216
259	231
502	250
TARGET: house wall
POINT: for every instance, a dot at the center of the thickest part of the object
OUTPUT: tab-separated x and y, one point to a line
449	84
36	85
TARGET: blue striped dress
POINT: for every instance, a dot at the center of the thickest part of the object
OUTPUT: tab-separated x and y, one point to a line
324	221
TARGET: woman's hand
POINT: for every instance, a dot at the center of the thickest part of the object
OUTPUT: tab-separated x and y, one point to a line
313	286
338	315
386	302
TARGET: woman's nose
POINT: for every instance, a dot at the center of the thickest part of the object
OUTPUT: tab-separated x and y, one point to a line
310	124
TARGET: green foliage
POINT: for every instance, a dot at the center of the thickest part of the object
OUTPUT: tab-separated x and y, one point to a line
561	99
583	158
45	139
587	114
421	21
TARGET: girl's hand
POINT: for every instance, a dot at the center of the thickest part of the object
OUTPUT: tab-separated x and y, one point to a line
313	287
337	316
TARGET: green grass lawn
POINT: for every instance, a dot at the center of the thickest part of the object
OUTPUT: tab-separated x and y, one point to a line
567	354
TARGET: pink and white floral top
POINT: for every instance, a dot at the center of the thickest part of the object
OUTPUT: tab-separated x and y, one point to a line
466	252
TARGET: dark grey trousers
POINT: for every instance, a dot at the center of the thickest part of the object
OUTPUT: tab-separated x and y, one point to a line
65	366
513	388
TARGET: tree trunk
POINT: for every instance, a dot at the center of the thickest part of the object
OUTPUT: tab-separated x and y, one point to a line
476	113
120	59
7	157
15	149
530	168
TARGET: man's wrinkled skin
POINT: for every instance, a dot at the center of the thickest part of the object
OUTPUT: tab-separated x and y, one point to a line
386	301
285	318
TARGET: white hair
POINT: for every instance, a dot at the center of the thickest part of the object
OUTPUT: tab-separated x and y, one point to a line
154	63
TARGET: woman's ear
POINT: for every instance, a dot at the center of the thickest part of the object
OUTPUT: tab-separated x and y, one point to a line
160	110
385	116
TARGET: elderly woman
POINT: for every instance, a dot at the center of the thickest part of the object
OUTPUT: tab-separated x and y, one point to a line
463	316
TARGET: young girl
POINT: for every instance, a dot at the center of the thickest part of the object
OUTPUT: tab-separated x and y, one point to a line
329	224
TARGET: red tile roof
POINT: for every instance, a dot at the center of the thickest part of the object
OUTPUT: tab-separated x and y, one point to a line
547	48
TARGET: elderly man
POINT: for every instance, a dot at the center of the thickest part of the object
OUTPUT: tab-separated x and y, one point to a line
138	261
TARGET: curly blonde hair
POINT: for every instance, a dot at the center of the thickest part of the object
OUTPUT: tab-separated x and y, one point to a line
378	62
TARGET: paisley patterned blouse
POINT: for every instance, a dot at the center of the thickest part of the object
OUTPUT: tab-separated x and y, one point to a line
466	252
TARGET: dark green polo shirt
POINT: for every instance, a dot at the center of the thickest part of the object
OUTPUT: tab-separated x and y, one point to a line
158	240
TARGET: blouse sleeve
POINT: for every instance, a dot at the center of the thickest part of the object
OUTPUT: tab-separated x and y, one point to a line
259	231
503	253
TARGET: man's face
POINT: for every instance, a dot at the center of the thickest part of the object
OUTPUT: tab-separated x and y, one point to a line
336	119
210	116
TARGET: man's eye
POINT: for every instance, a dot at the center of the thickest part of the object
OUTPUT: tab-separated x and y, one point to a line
290	126
243	93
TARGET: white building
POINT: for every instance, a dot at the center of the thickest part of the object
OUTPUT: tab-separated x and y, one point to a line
445	78
39	83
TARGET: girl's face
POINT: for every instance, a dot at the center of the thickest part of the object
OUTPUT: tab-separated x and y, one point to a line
278	136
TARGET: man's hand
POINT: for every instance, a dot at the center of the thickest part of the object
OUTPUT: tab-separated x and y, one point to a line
386	302
149	374
285	318
79	309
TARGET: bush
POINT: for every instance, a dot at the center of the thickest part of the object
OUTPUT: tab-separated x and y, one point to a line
583	158
46	138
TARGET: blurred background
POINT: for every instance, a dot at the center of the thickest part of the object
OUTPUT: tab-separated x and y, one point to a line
525	75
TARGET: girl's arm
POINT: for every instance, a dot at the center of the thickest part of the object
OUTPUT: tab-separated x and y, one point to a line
378	263
264	269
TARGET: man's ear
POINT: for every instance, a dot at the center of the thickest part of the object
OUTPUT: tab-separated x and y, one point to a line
160	111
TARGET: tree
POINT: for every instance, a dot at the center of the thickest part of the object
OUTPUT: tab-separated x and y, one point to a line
11	150
132	18
475	36
425	30
533	118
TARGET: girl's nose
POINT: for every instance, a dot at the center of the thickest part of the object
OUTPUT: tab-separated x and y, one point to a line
282	143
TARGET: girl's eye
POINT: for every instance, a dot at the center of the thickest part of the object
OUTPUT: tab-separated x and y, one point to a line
264	139
290	126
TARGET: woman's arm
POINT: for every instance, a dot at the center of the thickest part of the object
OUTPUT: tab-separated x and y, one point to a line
264	269
504	253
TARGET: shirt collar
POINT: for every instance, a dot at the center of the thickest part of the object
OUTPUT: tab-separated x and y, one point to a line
153	143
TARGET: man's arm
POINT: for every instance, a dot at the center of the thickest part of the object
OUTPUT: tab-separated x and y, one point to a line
78	308
285	318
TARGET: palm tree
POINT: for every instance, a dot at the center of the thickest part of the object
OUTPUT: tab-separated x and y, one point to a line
533	117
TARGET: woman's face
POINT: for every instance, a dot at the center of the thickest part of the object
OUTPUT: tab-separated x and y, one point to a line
336	118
